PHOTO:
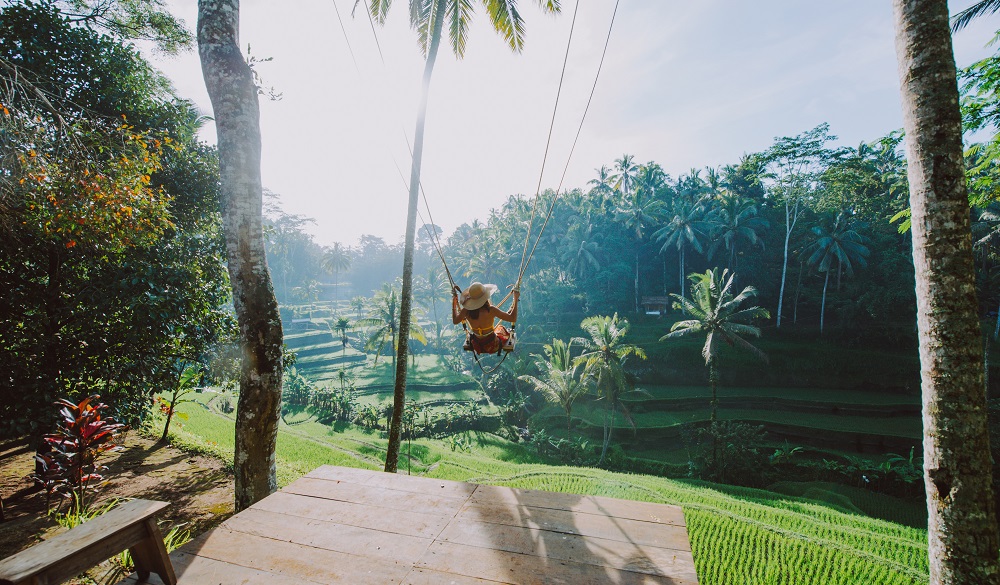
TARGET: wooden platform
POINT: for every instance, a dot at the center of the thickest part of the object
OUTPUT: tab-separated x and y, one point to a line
351	526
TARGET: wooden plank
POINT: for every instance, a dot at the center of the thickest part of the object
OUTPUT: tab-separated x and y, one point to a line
375	496
76	550
429	577
396	481
296	561
195	570
333	472
591	525
571	547
353	540
508	567
408	523
643	511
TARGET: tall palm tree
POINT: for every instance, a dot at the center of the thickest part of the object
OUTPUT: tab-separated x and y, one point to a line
581	254
637	208
336	258
341	326
358	304
735	222
603	358
625	173
602	188
717	315
427	18
434	287
687	228
559	382
961	524
842	244
383	321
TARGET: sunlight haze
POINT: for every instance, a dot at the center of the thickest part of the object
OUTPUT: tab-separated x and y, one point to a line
683	84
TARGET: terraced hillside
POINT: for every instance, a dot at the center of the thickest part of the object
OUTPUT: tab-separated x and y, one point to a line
868	422
738	536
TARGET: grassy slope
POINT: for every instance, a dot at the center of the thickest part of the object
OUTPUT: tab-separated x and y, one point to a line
739	536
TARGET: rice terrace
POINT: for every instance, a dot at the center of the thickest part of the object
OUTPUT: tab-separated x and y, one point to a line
499	292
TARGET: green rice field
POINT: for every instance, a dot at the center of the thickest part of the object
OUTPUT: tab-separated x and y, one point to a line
738	535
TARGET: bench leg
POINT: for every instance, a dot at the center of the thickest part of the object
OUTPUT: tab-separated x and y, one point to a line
150	556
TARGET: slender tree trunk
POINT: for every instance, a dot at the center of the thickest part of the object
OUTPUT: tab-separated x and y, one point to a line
798	292
996	330
166	426
713	380
822	306
789	226
664	275
608	429
237	117
638	299
680	289
961	527
399	388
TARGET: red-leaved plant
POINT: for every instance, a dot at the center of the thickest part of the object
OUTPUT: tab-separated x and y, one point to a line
81	436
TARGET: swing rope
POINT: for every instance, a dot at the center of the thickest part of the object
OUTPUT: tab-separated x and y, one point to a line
526	254
545	156
572	149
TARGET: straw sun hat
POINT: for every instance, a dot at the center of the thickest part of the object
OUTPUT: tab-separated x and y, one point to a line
476	295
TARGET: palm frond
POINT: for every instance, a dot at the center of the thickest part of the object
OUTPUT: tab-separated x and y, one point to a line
458	14
507	21
746	345
741	329
965	17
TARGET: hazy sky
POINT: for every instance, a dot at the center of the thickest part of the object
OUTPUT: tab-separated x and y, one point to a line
686	84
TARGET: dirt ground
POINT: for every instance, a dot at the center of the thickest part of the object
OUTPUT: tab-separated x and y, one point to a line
198	488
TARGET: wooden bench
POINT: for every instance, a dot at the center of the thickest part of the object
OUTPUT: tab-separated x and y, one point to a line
131	525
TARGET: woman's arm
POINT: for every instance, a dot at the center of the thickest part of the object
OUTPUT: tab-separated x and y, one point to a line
457	316
512	316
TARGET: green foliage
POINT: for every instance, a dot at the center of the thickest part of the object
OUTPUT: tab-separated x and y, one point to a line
729	452
111	258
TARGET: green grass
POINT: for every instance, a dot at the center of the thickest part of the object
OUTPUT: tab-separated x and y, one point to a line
857	501
738	536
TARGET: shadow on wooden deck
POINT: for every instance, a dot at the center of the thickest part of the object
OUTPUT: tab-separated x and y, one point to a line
341	525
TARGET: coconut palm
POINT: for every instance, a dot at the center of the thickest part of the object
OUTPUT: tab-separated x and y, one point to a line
686	229
734	223
383	320
841	244
580	252
560	383
341	326
434	287
335	259
637	209
604	355
717	315
427	18
602	189
358	304
961	526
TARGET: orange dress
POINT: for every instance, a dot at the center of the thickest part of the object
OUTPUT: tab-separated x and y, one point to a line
485	336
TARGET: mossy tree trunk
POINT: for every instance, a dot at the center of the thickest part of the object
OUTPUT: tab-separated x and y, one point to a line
237	116
962	530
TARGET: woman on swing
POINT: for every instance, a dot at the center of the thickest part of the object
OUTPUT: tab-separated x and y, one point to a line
474	306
